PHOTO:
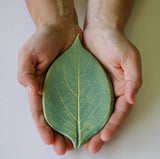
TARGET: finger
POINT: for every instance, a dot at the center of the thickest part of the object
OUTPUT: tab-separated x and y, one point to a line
121	111
44	130
59	144
69	145
86	144
133	75
95	144
27	70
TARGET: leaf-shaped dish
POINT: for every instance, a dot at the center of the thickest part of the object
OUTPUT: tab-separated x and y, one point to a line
77	95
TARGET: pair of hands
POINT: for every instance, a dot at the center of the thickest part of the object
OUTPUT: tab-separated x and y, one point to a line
109	45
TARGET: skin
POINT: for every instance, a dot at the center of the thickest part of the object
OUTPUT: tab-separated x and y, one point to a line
103	35
57	27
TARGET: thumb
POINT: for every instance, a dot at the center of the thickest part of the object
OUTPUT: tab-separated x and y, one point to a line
26	72
133	76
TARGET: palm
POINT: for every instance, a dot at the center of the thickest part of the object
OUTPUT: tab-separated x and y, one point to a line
42	48
34	59
120	59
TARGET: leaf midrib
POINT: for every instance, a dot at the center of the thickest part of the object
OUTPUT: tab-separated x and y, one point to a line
77	99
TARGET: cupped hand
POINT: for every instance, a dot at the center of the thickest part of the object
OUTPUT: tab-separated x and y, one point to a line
34	59
122	62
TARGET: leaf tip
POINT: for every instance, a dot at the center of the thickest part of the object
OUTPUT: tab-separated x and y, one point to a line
78	39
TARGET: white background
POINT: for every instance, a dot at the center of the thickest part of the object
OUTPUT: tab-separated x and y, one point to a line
138	138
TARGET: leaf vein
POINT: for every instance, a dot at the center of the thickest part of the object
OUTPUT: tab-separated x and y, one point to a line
66	82
70	114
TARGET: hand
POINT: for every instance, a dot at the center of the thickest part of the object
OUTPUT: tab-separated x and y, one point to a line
34	59
122	62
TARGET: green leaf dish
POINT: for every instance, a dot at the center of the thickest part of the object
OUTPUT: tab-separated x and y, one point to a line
78	95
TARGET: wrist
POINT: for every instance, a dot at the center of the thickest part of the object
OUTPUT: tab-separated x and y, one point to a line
98	23
57	20
111	14
52	12
60	22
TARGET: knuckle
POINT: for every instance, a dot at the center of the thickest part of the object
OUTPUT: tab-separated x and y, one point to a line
138	82
20	80
24	52
132	55
23	77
